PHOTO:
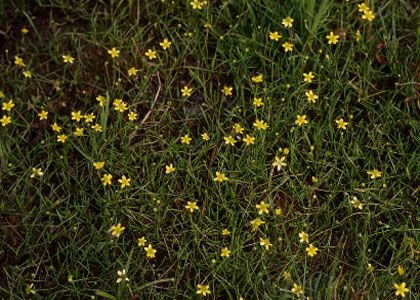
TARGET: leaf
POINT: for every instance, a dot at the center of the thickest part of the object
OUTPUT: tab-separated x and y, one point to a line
105	295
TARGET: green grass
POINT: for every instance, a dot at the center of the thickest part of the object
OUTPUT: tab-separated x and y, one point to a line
58	225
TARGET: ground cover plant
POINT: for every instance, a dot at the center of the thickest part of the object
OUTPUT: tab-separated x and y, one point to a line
197	149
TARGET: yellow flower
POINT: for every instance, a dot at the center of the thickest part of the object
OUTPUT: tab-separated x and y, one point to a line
368	15
114	52
257	78
220	177
256	223
307	77
169	169
304	237
1	95
96	127
132	71
287	22
278	211
27	74
78	131
19	62
311	96
341	124
249	140
287	46
332	38
225	232
203	289
374	174
186	91
89	118
262	208
287	275
192	206
99	165
117	230
225	252
260	124
265	243
120	105
258	102
165	44
274	36
36	173
24	30
43	115
76	115
196	4
7	106
150	252
62	138
5	120
106	179
358	35
311	250
132	116
30	289
227	90
356	203
401	289
400	270
55	127
301	120
186	139
297	290
238	128
205	137
229	140
151	54
101	99
124	181
141	241
68	59
279	162
362	7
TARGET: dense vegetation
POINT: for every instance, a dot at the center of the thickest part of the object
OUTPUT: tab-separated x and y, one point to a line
229	149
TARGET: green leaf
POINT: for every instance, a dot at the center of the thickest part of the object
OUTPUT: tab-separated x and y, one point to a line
105	295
